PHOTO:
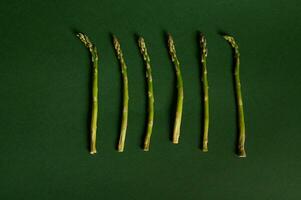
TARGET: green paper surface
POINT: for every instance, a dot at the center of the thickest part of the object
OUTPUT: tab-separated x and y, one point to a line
45	96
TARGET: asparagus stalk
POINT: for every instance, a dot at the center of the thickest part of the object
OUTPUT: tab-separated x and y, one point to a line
93	51
150	93
204	53
180	97
124	120
241	121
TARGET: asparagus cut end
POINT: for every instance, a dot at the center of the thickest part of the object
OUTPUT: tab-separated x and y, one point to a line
175	141
93	152
120	146
242	153
147	142
205	147
146	149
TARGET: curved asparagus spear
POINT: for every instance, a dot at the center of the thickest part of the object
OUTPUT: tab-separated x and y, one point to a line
203	45
93	50
177	124
241	121
150	93
124	120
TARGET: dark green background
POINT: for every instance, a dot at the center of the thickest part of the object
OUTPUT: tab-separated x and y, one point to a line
44	100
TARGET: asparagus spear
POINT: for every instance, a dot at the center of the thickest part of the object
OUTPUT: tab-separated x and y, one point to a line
241	121
124	120
177	124
204	53
150	93
93	51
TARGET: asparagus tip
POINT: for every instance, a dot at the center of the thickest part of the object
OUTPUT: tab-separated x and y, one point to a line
231	40
202	36
115	39
141	44
84	39
80	35
170	39
203	45
228	37
140	39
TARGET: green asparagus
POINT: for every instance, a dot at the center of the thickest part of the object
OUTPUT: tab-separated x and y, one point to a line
241	121
93	51
150	93
204	52
124	120
180	91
